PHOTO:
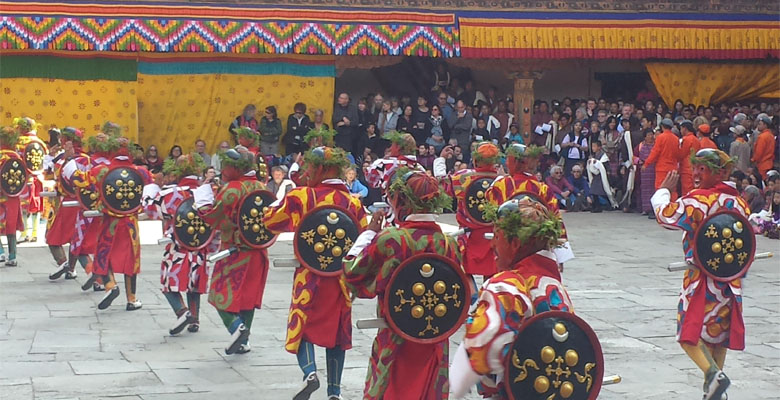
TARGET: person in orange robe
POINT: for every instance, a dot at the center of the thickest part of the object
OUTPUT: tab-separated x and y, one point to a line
665	153
764	150
704	137
689	145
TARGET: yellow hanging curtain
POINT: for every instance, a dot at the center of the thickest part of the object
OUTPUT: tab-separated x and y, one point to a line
709	83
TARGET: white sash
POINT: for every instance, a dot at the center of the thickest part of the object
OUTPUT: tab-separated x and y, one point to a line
631	169
596	167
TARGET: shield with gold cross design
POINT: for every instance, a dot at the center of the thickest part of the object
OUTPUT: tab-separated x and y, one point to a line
33	155
427	298
724	245
323	238
190	231
251	228
121	189
13	174
475	197
555	355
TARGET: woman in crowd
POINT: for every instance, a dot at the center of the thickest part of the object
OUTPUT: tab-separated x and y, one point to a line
175	152
421	129
405	122
574	147
153	161
611	140
319	124
647	176
438	136
270	132
560	187
679	106
387	120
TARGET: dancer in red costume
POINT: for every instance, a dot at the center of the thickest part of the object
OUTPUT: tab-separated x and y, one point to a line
10	204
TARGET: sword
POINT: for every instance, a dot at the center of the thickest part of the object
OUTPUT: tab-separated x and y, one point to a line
286	263
164	240
683	265
92	213
49	194
381	205
611	380
221	255
70	203
371	323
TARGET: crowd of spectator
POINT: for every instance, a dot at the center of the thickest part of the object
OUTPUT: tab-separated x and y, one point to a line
447	121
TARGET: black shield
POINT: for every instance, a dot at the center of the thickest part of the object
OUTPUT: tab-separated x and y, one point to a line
13	176
121	190
33	156
251	228
87	197
475	198
554	355
427	298
324	237
189	230
533	196
724	245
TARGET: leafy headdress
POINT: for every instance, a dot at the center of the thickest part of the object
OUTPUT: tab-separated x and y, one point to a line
250	136
486	153
405	141
421	193
8	137
716	160
324	156
520	151
325	135
526	219
185	165
239	158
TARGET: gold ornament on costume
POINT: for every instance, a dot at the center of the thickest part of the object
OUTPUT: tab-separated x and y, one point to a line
723	245
121	189
475	197
189	229
324	237
251	228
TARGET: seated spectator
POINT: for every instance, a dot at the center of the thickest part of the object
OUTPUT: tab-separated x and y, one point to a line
216	162
200	148
278	185
438	126
153	160
514	134
560	187
580	188
754	198
175	152
356	189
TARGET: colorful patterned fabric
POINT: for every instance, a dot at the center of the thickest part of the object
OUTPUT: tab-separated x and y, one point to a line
181	270
478	257
367	276
238	281
118	245
708	310
506	300
381	170
320	309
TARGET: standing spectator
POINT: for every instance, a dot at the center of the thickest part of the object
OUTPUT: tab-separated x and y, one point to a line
437	137
740	149
537	121
440	163
612	140
574	147
689	145
376	106
153	160
344	121
405	121
480	133
560	187
356	189
704	137
298	124
422	119
469	94
175	152
200	148
270	132
665	154
445	109
364	118
374	142
441	78
764	150
580	188
247	118
318	124
504	119
461	128
647	176
278	184
388	120
216	162
724	134
423	158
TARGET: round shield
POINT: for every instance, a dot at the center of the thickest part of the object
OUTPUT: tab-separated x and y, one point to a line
475	198
251	228
87	196
189	230
427	298
13	176
555	355
121	190
33	156
724	245
324	237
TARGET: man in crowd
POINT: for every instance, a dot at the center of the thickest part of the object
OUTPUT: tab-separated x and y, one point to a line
665	154
764	150
689	145
345	119
200	149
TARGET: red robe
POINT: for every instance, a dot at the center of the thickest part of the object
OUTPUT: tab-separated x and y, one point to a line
690	145
665	156
478	257
10	207
84	239
118	244
238	281
61	228
321	309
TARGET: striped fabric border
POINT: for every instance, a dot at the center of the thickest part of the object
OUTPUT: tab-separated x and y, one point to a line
78	69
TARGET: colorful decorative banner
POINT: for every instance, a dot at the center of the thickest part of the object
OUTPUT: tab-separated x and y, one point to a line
619	36
245	29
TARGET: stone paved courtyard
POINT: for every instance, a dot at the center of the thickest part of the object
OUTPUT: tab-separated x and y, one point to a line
54	344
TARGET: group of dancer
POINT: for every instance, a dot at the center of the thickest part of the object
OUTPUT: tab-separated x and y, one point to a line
512	235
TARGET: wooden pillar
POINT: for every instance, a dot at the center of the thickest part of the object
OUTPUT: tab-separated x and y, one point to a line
524	99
